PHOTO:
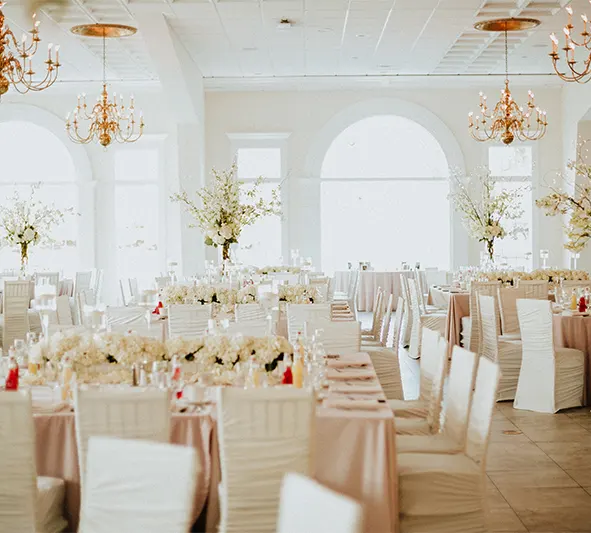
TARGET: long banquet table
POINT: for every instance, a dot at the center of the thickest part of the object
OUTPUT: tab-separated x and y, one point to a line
369	281
355	454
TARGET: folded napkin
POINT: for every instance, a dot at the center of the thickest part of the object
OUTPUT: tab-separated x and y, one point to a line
357	388
357	405
345	374
351	361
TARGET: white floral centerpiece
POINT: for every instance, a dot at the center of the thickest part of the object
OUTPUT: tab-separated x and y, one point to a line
28	222
487	215
226	206
300	294
543	274
247	295
279	269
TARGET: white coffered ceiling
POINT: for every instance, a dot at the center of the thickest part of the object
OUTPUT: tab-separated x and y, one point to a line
243	40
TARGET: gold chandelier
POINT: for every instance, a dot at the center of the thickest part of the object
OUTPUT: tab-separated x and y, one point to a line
16	65
569	51
109	120
507	120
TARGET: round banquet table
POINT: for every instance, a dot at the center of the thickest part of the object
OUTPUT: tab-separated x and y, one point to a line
575	332
369	281
457	305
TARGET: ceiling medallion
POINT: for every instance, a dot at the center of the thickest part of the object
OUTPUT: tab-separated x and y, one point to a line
570	46
16	65
107	120
507	121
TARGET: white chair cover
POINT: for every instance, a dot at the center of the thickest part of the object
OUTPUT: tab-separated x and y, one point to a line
263	434
485	288
378	311
97	285
387	369
120	316
342	338
506	353
308	507
551	378
386	321
433	321
299	314
27	503
398	326
16	298
188	320
249	312
132	414
52	278
83	282
135	486
126	298
64	310
134	289
408	313
508	297
538	290
568	285
251	328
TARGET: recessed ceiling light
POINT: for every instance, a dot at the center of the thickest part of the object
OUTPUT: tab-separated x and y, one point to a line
354	57
325	30
361	35
385	66
250	49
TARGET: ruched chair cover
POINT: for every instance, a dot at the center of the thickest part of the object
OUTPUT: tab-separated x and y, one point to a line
387	367
507	353
308	507
534	289
551	378
125	316
131	414
338	338
384	327
472	323
188	320
508	297
433	321
299	314
16	301
446	493
430	365
250	328
138	486
252	311
397	328
456	408
82	282
263	434
568	285
28	504
431	423
350	297
63	310
373	333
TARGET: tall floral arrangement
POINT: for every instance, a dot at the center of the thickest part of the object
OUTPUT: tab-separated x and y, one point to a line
488	214
25	222
575	204
224	208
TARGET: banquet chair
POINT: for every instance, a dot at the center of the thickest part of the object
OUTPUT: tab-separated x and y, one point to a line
535	289
434	276
15	320
51	278
570	284
188	320
162	282
250	328
507	353
134	485
119	316
481	407
330	290
308	507
63	310
430	365
249	312
83	303
299	314
471	324
373	332
126	298
384	328
83	282
551	378
134	289
289	279
338	338
407	315
387	367
28	503
97	284
263	434
132	413
508	297
456	407
350	297
447	493
434	321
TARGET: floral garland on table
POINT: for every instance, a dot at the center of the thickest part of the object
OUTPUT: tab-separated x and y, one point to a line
209	294
27	222
279	269
486	214
549	275
300	294
222	353
227	207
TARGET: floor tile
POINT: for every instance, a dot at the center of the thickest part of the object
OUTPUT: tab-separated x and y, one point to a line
542	498
569	455
581	475
518	456
544	477
557	519
568	433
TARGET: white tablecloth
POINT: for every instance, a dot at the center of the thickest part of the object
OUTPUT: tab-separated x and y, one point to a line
369	281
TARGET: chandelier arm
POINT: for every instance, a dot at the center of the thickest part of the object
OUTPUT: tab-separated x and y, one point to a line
586	70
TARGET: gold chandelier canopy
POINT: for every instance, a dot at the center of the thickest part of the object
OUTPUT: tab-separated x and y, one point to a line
16	59
573	72
507	121
108	119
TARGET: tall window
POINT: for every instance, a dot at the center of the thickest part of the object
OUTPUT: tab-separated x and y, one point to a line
512	168
384	187
260	244
137	213
31	154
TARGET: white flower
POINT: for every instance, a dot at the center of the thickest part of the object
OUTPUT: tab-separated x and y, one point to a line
28	235
226	232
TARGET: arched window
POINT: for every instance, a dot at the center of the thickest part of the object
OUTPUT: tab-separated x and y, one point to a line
384	187
31	154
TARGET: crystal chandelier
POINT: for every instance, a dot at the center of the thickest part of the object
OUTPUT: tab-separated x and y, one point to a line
507	120
573	74
16	64
108	120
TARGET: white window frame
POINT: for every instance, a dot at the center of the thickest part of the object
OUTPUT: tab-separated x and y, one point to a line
270	140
